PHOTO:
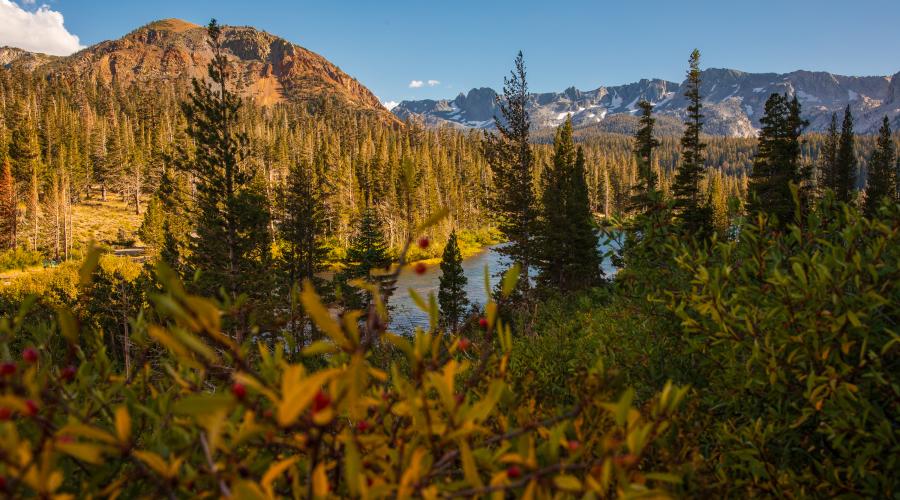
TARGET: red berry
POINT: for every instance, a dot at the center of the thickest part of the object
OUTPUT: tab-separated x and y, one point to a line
320	402
267	413
65	438
7	369
573	445
482	322
362	426
31	408
423	242
68	373
513	472
464	344
30	355
459	399
5	413
238	390
420	268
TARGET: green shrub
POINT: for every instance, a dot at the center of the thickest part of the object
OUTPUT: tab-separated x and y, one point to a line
796	355
19	258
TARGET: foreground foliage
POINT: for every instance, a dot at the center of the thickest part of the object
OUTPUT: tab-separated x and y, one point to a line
199	414
789	338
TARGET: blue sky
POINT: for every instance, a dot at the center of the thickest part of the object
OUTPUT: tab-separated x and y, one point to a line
464	44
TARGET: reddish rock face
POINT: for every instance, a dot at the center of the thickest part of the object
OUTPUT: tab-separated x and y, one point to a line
269	69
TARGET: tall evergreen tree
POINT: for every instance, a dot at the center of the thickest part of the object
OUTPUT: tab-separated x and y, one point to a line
8	209
882	175
368	252
302	225
827	176
231	247
646	191
845	161
511	159
452	290
693	215
777	162
567	239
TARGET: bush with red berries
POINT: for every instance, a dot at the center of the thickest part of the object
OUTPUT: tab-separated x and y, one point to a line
196	414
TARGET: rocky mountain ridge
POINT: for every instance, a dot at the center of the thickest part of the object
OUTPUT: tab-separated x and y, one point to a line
269	69
733	102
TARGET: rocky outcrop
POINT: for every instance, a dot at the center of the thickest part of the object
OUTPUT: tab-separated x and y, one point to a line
269	69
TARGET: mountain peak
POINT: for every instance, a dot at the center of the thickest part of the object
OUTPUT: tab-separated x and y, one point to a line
171	24
733	102
267	69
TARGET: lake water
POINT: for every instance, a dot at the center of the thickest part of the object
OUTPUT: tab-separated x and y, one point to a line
405	315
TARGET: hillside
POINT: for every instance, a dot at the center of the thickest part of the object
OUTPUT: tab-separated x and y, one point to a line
270	69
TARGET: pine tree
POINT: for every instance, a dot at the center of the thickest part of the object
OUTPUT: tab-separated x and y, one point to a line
777	162
302	225
452	291
646	191
568	255
845	161
25	151
368	252
882	175
691	212
229	247
511	160
827	178
8	209
718	203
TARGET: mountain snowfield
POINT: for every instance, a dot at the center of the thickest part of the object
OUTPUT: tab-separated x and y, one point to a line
734	102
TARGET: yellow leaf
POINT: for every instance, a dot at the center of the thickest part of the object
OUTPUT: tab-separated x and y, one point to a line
470	471
86	452
274	472
78	429
252	383
353	467
567	482
123	424
509	280
67	325
319	314
320	481
154	461
411	474
247	490
298	394
433	219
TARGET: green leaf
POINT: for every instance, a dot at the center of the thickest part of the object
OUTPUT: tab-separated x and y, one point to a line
201	404
510	279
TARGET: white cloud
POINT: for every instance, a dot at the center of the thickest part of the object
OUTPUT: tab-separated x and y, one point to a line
413	84
390	105
432	83
39	31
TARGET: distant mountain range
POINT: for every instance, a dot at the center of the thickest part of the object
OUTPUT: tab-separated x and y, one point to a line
272	70
733	103
269	69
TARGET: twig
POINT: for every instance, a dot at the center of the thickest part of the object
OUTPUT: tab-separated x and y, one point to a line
212	466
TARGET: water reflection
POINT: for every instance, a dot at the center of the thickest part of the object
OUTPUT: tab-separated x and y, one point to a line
406	315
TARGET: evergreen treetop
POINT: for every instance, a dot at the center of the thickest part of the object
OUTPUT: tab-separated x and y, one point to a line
452	290
694	217
882	175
